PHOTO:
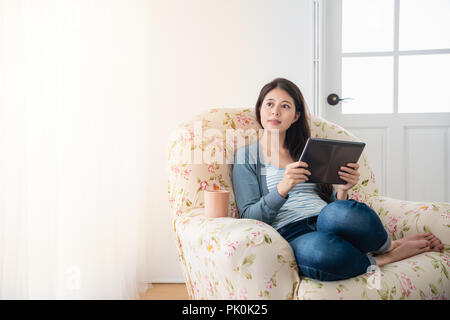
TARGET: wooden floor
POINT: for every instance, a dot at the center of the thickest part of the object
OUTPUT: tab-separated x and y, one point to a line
166	291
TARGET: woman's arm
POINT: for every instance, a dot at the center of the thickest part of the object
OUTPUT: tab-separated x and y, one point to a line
342	195
249	200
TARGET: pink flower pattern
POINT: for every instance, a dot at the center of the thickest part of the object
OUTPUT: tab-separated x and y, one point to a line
195	288
392	225
268	282
446	215
209	285
176	170
188	135
356	196
230	248
243	294
372	177
406	284
204	184
446	260
244	120
253	237
413	264
187	172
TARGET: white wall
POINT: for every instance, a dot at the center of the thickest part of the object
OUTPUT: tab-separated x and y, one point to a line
215	53
129	72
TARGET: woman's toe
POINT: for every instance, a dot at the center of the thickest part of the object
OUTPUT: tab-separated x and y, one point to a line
435	242
436	246
423	243
433	238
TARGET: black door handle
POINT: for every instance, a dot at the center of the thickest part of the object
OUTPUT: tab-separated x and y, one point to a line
333	99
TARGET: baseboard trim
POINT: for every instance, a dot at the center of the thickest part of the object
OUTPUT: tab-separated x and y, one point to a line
165	281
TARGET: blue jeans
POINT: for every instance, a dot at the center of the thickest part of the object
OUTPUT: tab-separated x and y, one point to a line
337	244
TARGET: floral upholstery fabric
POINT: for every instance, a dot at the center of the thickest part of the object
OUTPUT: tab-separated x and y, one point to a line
232	258
227	258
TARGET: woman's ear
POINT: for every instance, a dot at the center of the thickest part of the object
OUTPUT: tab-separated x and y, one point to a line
297	116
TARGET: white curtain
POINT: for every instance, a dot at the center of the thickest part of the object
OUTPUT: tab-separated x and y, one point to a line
74	148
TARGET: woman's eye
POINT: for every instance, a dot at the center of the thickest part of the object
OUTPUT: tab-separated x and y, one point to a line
286	106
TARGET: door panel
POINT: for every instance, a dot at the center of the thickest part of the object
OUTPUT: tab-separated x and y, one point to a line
399	107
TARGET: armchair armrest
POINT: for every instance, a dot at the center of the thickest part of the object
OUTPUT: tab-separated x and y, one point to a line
228	258
402	218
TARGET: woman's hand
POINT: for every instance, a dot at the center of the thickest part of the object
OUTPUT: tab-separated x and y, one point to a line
294	173
349	175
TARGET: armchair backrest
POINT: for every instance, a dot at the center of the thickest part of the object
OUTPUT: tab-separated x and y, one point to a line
201	153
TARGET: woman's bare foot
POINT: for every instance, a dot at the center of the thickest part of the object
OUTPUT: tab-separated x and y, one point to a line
404	250
435	244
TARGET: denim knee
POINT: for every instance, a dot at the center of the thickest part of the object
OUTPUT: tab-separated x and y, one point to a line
354	221
327	257
341	212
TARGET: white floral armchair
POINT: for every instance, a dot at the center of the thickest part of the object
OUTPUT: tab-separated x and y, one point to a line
232	258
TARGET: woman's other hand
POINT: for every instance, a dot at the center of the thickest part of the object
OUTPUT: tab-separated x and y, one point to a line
349	175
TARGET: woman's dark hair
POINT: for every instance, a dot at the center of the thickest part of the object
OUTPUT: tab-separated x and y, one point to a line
299	132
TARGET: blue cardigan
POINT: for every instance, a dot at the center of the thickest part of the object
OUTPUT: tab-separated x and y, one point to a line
253	199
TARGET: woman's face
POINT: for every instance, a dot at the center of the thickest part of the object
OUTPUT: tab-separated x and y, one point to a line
278	110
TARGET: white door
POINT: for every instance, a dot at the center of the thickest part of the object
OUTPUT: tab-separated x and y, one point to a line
392	57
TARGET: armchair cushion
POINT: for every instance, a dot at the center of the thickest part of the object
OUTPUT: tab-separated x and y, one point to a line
402	218
424	276
229	258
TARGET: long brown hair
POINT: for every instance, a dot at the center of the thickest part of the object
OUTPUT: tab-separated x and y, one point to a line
299	132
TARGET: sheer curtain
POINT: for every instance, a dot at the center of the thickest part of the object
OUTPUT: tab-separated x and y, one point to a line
74	148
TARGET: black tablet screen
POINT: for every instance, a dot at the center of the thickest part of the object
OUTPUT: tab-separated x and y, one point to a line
325	157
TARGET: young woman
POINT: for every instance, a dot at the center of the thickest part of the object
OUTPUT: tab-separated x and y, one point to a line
333	238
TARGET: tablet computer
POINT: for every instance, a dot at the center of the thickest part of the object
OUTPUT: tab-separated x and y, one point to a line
325	157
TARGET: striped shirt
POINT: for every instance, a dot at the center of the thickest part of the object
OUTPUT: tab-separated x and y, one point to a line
303	201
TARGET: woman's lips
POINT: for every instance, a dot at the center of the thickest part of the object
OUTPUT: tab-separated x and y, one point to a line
274	121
